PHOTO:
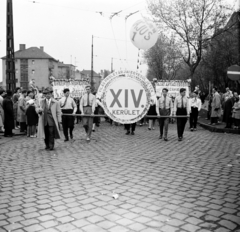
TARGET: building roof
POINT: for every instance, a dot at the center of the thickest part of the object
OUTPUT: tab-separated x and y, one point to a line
31	53
88	72
65	65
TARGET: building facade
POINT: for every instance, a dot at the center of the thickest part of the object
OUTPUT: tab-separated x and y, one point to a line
32	63
66	71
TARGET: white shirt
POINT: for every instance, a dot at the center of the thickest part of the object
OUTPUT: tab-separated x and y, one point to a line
178	104
195	103
48	102
70	104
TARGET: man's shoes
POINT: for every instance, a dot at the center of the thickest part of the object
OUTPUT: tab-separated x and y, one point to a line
71	136
93	130
195	129
191	129
149	128
47	148
160	137
128	133
51	148
214	124
140	124
180	139
88	139
8	136
132	133
210	123
65	140
165	139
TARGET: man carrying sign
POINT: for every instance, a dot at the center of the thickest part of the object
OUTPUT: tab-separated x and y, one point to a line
87	106
164	108
181	108
68	106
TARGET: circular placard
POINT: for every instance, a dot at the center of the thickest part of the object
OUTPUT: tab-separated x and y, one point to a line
126	96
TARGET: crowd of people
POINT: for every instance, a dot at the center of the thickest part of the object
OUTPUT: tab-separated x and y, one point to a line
224	107
38	114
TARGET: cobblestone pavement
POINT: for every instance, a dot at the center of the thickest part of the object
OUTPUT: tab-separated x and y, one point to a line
193	185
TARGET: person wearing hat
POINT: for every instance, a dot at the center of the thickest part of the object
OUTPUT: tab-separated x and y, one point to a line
181	108
68	106
87	107
164	108
195	105
50	119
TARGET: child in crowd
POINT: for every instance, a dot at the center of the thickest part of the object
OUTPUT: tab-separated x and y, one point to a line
32	119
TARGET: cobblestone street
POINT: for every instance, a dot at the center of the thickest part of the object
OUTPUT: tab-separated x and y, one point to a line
193	185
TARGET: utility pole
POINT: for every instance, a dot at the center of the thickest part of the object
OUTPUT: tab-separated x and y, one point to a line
92	87
10	60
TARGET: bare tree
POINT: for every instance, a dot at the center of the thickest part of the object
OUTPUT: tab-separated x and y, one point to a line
193	22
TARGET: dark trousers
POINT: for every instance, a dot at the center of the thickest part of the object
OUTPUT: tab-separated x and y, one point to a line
131	126
49	136
193	117
67	123
214	120
181	122
23	126
8	132
163	122
87	121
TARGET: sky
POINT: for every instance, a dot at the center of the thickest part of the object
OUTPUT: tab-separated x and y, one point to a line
65	29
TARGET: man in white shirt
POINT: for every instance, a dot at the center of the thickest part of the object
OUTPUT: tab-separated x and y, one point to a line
181	108
68	106
87	106
164	108
195	105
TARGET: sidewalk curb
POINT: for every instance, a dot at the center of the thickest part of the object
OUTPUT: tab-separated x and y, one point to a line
218	130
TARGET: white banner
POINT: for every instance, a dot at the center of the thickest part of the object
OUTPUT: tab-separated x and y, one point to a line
173	87
126	96
76	87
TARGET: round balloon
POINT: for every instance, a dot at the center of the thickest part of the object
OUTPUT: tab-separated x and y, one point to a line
143	34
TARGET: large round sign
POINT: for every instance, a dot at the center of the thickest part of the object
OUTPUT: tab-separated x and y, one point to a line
143	34
234	72
126	96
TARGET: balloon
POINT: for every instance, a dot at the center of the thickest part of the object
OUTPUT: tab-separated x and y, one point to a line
143	34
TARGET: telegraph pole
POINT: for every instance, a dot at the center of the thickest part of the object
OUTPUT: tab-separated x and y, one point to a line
10	60
92	87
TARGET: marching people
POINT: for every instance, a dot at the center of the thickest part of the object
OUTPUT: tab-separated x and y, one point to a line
215	107
152	111
9	114
164	107
68	106
130	127
87	107
195	105
181	108
49	122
